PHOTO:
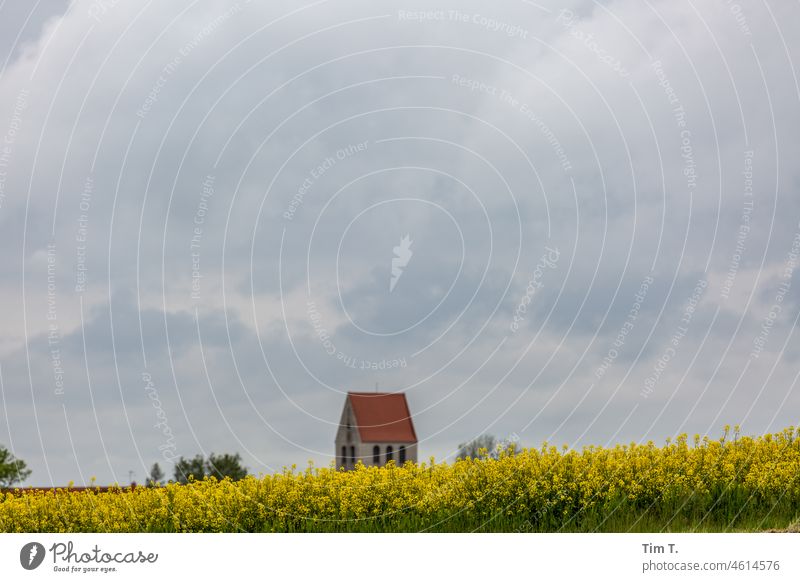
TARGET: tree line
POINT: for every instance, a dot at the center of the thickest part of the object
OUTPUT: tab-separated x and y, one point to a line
14	470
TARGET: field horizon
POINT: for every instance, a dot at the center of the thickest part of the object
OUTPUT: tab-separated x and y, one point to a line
732	484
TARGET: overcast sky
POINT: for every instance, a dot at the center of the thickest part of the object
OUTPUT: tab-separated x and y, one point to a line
574	222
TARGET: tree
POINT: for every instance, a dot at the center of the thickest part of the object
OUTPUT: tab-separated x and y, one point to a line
472	449
221	466
185	467
155	477
12	470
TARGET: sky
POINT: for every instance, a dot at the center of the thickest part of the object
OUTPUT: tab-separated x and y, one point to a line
571	222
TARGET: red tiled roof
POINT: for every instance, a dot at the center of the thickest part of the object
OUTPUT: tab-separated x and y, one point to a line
382	417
